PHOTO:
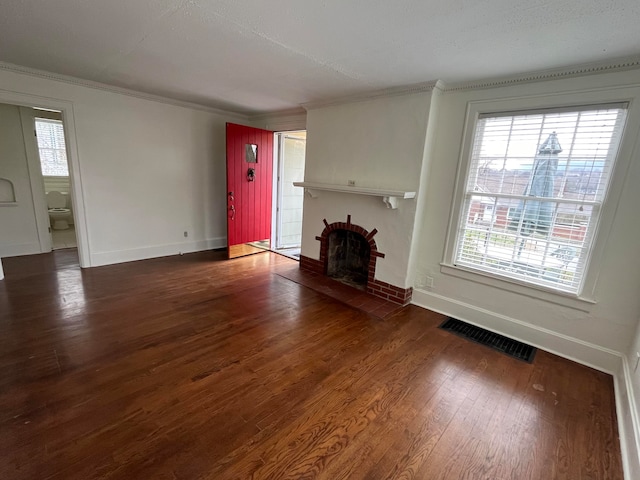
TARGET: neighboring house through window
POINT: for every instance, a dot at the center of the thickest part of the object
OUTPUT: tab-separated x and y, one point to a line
535	184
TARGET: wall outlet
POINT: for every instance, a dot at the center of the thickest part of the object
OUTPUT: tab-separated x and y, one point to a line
428	282
186	234
424	281
351	183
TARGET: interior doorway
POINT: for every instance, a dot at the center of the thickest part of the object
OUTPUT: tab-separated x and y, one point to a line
287	220
24	213
56	181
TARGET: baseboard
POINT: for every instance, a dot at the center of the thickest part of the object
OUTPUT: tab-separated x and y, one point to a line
20	249
120	256
586	353
591	355
628	421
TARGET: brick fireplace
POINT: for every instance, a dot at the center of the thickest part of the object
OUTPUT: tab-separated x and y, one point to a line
372	286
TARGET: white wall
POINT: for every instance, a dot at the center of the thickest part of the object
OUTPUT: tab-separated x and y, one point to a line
149	170
609	324
18	230
56	184
378	143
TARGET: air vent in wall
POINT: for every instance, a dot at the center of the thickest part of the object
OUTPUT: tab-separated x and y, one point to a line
503	344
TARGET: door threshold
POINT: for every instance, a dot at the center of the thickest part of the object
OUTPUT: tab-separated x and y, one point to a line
293	252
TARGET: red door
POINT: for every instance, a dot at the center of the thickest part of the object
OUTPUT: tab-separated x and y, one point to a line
249	189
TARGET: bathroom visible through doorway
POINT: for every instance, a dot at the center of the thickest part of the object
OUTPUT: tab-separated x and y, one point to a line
55	177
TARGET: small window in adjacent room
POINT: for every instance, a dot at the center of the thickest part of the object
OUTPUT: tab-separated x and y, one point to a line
53	153
533	193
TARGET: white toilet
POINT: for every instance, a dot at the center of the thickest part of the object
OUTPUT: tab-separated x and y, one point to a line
59	216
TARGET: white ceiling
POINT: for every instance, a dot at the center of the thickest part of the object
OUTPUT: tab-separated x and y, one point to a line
254	56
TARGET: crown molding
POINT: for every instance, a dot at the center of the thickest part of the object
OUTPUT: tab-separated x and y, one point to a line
610	66
281	120
436	87
57	77
385	92
278	114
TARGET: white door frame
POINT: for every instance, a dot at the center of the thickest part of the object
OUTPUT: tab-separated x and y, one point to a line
278	171
75	177
35	176
277	190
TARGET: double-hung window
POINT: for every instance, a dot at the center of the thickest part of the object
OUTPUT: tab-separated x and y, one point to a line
53	153
533	193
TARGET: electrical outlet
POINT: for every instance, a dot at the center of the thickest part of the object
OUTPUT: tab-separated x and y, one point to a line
186	234
351	183
428	282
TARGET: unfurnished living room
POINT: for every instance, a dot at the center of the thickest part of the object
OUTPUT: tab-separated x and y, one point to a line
319	240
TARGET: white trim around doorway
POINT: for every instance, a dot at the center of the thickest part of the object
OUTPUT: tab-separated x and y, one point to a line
75	174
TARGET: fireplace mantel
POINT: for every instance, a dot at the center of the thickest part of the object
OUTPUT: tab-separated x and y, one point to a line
389	197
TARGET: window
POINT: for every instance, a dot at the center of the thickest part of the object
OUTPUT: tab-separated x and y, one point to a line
53	154
533	193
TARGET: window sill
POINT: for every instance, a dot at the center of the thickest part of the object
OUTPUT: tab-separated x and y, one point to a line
533	291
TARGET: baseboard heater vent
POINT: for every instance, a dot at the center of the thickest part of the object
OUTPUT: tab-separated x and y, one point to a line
503	344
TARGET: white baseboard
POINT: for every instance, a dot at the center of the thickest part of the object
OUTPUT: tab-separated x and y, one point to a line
628	421
20	249
120	256
586	353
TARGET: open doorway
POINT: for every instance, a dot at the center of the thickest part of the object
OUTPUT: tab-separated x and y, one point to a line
287	221
24	217
56	181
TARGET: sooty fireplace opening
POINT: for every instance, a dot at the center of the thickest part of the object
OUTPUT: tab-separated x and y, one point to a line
348	255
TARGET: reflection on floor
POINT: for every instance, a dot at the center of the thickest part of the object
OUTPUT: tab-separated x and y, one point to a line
64	238
293	252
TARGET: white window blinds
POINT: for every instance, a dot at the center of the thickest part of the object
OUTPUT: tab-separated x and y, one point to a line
534	191
53	153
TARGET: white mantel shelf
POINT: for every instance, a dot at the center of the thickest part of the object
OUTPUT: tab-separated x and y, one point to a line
389	197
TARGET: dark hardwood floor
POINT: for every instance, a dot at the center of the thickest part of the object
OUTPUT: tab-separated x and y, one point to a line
196	367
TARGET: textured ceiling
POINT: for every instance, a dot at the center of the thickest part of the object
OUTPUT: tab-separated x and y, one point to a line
254	56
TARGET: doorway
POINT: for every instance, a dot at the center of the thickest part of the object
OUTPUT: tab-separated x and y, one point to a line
54	167
287	221
25	215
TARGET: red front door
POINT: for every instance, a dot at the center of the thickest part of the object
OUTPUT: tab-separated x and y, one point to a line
249	189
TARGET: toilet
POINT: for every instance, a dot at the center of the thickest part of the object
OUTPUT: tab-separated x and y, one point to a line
59	216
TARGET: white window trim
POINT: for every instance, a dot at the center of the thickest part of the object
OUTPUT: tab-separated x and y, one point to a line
586	297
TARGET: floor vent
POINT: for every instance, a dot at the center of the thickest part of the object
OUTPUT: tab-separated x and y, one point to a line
503	344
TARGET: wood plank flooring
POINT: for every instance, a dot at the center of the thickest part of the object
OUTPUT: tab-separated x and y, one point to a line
197	367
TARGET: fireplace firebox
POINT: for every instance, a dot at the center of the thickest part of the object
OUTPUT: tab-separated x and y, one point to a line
348	255
353	248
